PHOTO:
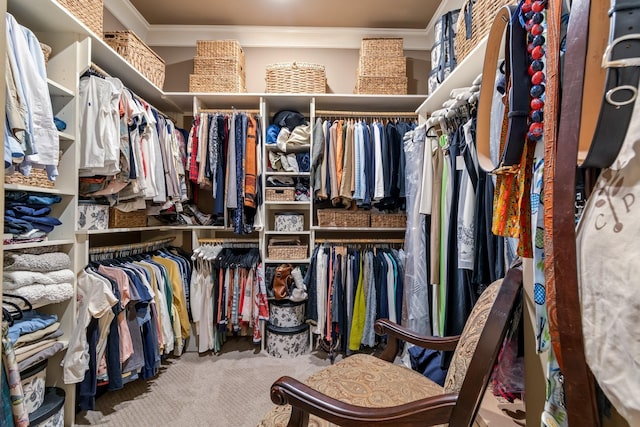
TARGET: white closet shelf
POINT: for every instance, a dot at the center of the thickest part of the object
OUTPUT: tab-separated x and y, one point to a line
56	89
291	203
20	187
287	173
356	229
153	228
288	261
64	136
350	102
288	233
51	17
462	76
211	101
291	150
45	243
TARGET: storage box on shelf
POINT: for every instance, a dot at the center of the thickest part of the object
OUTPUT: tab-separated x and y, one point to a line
286	252
219	66
343	218
89	12
93	216
280	194
443	51
133	219
382	68
482	14
36	178
296	77
138	54
388	220
289	221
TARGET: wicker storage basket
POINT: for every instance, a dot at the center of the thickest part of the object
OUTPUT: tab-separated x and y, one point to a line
46	52
138	54
482	14
220	49
382	85
382	47
388	220
218	67
280	194
226	84
89	12
119	219
37	178
343	218
382	66
286	252
296	77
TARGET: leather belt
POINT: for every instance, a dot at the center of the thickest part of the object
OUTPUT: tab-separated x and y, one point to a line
622	63
516	70
565	321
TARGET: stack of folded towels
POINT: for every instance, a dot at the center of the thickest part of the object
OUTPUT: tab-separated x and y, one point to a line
42	279
27	216
35	337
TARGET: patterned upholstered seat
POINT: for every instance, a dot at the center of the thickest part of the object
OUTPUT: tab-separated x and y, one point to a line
369	382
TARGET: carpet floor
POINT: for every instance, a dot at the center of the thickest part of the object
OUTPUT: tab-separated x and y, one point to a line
226	390
230	389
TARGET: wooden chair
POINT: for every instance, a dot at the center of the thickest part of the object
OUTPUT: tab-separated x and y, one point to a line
363	390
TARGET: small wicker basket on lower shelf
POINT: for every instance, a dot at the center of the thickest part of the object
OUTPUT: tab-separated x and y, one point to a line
285	252
281	194
343	218
388	220
133	219
36	178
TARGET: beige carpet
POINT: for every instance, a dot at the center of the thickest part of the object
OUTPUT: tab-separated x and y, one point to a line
226	390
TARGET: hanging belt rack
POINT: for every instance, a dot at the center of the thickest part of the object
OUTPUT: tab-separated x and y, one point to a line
128	250
230	243
385	114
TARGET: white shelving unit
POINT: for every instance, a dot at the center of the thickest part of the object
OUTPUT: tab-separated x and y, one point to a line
74	49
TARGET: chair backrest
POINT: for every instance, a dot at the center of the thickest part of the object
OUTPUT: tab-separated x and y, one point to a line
480	342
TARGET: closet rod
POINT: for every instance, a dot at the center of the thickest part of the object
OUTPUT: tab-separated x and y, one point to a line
225	240
366	113
233	110
99	70
142	247
382	241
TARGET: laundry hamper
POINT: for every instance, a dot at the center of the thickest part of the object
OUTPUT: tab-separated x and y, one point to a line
287	342
33	382
286	314
51	413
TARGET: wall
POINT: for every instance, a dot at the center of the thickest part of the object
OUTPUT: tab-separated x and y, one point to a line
340	66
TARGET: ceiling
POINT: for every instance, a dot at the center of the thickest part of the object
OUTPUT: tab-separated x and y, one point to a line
411	14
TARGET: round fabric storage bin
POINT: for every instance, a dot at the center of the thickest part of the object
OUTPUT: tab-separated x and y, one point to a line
51	413
33	380
287	342
286	314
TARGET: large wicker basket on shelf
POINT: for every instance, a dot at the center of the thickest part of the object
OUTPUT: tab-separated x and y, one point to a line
388	220
296	77
138	54
280	194
382	85
382	47
343	218
221	84
382	66
482	14
220	49
120	219
89	12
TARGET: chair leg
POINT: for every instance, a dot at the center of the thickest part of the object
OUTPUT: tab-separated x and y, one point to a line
299	418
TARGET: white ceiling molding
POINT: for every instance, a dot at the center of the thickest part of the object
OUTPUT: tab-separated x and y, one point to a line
281	37
129	17
257	36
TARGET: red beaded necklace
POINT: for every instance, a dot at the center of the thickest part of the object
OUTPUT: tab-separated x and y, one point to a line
534	14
